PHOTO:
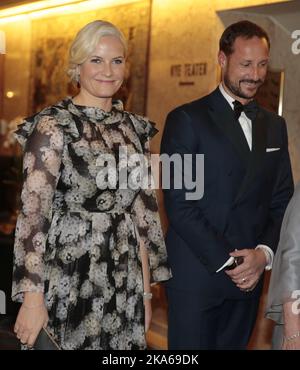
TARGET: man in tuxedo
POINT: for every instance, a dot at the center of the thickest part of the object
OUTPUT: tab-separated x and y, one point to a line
220	245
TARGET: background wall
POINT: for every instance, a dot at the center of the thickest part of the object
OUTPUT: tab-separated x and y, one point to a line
37	54
17	68
184	32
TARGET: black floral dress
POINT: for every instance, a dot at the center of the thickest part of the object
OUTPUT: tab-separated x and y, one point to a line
77	239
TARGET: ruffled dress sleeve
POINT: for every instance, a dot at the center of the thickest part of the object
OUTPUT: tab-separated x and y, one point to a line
145	210
42	141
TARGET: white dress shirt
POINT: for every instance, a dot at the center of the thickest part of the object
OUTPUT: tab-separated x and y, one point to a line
246	125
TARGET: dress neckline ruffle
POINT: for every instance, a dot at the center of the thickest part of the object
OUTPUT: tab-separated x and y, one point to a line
70	117
95	114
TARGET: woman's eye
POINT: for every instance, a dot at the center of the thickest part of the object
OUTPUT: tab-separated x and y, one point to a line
96	60
118	61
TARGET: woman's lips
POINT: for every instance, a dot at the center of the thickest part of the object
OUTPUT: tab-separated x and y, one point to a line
106	82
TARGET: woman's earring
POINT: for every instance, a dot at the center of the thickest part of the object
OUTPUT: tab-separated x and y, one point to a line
78	80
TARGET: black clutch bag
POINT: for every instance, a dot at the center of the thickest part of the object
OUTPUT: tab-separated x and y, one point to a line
45	341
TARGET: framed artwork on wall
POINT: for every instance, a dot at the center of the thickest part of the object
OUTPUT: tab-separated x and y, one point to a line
51	39
270	94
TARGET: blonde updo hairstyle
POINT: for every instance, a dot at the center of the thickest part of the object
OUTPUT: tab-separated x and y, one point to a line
86	41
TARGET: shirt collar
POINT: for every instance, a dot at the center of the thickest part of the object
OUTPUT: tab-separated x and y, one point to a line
226	95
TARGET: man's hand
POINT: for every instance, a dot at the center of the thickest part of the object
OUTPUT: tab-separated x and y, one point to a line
247	275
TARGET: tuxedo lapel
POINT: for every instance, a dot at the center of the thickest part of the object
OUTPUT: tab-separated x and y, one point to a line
222	115
259	143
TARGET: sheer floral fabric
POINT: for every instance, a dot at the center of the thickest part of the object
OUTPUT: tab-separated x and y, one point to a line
77	241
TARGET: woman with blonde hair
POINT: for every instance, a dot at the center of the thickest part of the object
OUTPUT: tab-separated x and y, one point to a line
87	247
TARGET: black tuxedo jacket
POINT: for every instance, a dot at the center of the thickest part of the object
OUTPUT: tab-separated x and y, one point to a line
245	193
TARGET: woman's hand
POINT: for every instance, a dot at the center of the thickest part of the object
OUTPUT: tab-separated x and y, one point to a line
148	314
291	331
291	344
32	317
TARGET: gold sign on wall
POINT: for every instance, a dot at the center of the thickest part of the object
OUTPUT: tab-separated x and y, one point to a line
186	73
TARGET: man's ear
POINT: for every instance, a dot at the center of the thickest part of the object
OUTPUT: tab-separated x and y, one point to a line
222	59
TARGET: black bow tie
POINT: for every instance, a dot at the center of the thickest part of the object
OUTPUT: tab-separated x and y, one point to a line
250	109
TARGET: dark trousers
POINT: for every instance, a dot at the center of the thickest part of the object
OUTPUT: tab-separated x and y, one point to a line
227	326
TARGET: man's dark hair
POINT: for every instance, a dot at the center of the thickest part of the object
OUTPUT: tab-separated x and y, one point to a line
243	29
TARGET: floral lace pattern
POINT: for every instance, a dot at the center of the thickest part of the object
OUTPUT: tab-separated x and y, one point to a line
78	243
